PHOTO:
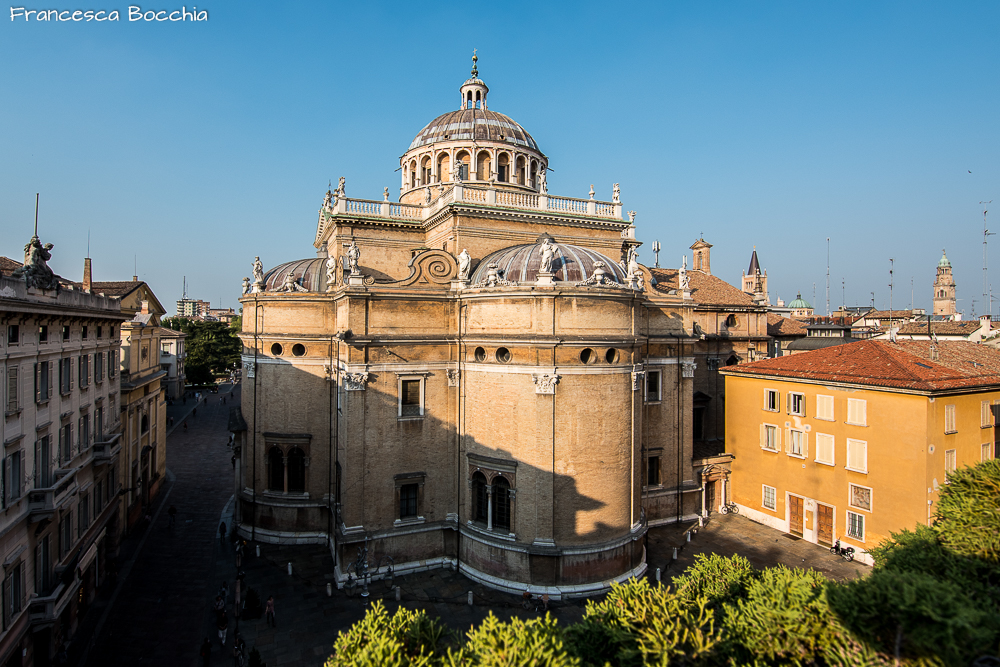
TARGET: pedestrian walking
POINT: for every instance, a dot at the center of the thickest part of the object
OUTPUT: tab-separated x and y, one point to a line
220	603
222	624
185	426
269	611
206	652
172	513
222	531
194	412
234	461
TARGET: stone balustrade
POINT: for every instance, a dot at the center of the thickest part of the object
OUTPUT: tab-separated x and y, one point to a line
459	192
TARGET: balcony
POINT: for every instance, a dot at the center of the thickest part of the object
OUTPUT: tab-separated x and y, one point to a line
43	503
45	610
107	450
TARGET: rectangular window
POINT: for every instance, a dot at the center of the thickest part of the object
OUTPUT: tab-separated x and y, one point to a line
13	402
825	449
987	452
856	526
99	424
857	411
770	400
43	567
857	455
950	460
43	333
13	593
65	532
84	432
43	462
652	386
653	471
65	375
409	398
84	370
796	404
985	414
769	437
83	332
12	477
111	365
83	515
66	443
824	407
768	499
13	334
100	330
65	332
860	497
796	443
408	500
949	419
99	367
43	381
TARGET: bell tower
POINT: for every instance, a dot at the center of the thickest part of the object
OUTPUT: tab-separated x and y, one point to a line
944	288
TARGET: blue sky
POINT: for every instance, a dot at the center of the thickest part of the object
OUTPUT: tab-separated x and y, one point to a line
199	145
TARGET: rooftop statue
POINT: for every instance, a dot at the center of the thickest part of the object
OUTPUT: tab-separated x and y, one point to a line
331	272
353	256
291	284
36	271
464	262
258	275
548	252
616	197
543	187
683	280
246	285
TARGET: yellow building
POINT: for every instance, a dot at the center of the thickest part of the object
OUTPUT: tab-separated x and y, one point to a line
853	442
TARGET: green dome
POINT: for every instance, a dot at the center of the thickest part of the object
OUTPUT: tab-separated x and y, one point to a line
943	262
799	302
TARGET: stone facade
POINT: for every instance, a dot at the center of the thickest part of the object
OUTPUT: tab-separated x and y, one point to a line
480	376
62	516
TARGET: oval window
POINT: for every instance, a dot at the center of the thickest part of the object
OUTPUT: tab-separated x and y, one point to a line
731	321
480	354
503	355
611	356
298	349
276	349
587	356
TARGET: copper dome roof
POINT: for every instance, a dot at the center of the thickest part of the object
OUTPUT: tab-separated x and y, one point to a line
571	264
310	273
474	125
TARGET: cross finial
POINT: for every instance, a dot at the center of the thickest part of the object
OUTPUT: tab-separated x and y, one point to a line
475	68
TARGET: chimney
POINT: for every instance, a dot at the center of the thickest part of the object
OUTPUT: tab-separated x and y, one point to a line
145	308
135	279
87	275
984	324
934	353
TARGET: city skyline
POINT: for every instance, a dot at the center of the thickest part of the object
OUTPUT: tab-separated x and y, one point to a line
186	149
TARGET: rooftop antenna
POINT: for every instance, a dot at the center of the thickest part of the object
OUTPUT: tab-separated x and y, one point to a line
986	233
88	242
891	335
828	276
814	292
656	253
873	300
135	268
36	215
911	293
843	291
184	291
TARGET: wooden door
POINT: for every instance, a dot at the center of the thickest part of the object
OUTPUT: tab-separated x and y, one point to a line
710	504
824	533
795	515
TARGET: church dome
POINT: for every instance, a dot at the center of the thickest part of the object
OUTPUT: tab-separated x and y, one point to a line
309	273
944	263
570	264
473	125
799	302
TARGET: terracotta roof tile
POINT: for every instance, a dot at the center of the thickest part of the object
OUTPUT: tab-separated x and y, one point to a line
784	326
943	328
705	288
7	265
115	287
905	364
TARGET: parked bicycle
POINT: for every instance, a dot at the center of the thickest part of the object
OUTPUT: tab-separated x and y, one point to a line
366	569
539	603
847	553
239	651
730	508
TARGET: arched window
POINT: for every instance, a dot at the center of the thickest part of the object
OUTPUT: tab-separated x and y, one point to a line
413	174
144	424
501	503
296	471
425	171
521	175
483	166
275	470
731	321
479	101
480	501
733	360
468	102
444	168
503	168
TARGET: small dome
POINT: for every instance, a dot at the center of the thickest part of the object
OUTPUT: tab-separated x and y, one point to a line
473	125
943	263
799	302
570	264
310	273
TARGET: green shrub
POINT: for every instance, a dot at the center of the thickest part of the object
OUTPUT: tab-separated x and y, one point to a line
716	578
967	517
406	639
640	624
516	643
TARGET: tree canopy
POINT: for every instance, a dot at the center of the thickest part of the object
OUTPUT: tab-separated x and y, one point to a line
213	348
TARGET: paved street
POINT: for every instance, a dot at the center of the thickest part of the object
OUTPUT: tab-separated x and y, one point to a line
161	609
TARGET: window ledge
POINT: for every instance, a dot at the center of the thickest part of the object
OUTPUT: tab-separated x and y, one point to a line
481	528
656	402
950	432
825	419
769	509
409	521
824	463
12	413
410	418
772	451
863	472
858	509
797	456
856	424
